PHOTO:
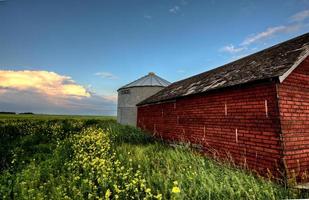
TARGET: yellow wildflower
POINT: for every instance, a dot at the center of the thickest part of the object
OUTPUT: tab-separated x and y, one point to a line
107	194
176	189
159	196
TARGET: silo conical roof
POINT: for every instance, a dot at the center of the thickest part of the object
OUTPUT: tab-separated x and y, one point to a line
149	80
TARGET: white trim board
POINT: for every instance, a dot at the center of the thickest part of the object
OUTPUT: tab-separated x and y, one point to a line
300	60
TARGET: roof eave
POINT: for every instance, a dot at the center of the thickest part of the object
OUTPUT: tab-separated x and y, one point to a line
294	66
271	79
140	86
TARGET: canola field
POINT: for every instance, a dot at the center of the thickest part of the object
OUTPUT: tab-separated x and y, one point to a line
77	157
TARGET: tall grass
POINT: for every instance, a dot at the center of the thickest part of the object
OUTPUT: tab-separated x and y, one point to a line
197	177
89	159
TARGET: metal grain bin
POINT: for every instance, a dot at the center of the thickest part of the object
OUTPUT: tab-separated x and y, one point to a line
135	92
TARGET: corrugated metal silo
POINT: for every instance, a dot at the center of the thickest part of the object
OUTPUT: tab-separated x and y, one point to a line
135	92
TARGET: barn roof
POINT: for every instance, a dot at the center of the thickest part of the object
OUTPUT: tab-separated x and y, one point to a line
274	62
151	79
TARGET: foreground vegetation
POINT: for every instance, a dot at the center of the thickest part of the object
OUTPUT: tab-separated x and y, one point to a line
82	158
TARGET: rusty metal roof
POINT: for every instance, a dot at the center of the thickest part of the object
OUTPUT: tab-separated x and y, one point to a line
151	79
274	62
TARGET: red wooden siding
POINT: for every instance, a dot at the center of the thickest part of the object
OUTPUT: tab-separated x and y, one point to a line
294	113
241	122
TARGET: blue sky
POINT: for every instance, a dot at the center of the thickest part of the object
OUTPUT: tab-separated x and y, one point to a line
102	45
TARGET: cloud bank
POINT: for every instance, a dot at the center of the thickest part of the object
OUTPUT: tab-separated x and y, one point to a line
269	32
231	49
297	22
44	82
300	16
49	92
174	9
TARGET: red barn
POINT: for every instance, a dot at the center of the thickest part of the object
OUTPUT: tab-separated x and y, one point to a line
255	109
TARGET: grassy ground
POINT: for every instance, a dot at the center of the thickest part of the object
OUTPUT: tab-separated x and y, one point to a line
98	158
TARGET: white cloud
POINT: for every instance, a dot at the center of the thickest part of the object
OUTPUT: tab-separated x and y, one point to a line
296	23
269	32
177	8
29	101
49	92
106	75
147	16
174	9
44	82
300	16
232	49
237	57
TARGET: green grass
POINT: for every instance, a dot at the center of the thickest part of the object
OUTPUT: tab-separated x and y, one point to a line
84	158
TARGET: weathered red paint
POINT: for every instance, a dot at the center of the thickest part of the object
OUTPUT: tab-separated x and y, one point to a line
294	115
263	125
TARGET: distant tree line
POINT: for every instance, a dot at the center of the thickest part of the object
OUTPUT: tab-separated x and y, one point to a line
14	113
